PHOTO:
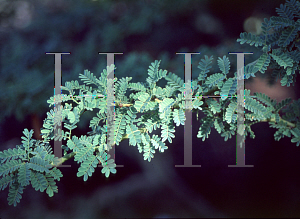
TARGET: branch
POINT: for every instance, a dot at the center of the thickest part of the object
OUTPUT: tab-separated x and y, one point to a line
61	160
280	119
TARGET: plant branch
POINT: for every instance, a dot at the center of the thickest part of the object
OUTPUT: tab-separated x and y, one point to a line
61	160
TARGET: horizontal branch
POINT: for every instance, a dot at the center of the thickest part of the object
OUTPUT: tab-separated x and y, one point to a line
280	120
61	160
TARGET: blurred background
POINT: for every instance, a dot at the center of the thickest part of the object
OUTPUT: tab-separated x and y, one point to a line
144	31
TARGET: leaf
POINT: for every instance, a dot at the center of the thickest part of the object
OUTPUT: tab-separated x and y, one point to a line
204	129
265	99
24	174
178	117
39	164
282	22
224	64
88	78
214	79
52	188
263	62
213	105
121	87
158	144
285	12
10	154
120	126
109	167
87	167
27	141
296	133
256	107
204	66
14	195
288	35
282	60
229	88
175	81
148	152
86	151
197	103
154	73
133	134
71	117
38	181
165	104
5	181
9	167
167	133
142	102
230	115
55	173
251	39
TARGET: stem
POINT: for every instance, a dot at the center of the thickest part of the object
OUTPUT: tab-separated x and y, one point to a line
280	119
63	159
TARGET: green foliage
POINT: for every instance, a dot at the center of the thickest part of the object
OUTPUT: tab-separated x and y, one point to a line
29	163
162	108
279	42
204	66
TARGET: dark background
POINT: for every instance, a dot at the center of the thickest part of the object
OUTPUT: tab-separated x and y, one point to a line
144	31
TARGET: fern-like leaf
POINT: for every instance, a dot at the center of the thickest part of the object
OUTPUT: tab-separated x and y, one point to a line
288	35
133	134
282	22
38	181
11	154
10	166
263	62
5	181
109	167
204	66
214	79
255	107
265	99
14	195
282	59
204	129
294	6
153	73
167	133
251	39
229	88
120	126
87	167
214	106
142	102
158	144
24	174
137	86
121	87
296	133
85	152
148	152
39	164
52	188
178	117
27	141
55	173
285	12
175	81
88	78
224	64
230	115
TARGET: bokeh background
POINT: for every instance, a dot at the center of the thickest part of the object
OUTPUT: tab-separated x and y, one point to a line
144	30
